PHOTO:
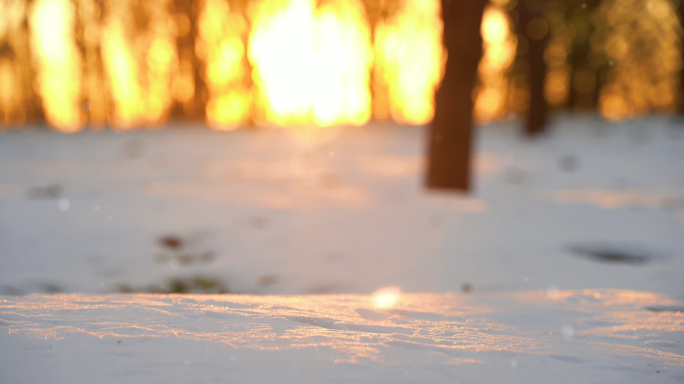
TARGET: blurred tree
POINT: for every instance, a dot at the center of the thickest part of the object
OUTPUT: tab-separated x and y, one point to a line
379	11
587	64
450	136
187	104
89	18
19	102
242	6
534	30
680	14
642	41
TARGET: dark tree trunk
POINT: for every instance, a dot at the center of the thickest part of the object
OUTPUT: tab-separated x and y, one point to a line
530	15
185	45
242	6
379	11
579	57
450	135
596	93
680	103
18	52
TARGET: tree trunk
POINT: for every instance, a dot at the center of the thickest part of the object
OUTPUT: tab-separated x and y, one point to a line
680	103
579	57
531	24
450	135
193	108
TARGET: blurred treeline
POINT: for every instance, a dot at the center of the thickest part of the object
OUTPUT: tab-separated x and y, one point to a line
237	63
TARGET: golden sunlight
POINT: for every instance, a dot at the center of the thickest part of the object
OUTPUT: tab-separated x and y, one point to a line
311	65
643	48
386	298
220	45
140	58
15	78
314	63
499	49
409	62
56	60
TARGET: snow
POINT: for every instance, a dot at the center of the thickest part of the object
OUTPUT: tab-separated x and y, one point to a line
267	212
564	265
425	338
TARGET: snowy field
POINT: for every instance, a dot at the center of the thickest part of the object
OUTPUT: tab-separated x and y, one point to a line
566	264
606	336
593	206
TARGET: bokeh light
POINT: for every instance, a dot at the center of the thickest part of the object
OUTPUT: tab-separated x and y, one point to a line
311	64
221	47
57	62
643	46
386	298
409	61
140	58
15	75
306	63
498	55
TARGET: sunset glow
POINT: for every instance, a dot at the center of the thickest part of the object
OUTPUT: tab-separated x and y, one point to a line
386	298
140	58
220	45
310	64
57	63
499	49
409	62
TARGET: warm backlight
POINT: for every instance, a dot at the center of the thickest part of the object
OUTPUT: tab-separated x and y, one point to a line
499	50
57	62
409	62
386	298
311	64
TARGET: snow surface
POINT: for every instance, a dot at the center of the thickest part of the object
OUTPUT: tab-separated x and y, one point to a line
267	212
564	265
606	336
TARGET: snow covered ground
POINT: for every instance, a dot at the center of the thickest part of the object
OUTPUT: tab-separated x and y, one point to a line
606	336
266	212
564	265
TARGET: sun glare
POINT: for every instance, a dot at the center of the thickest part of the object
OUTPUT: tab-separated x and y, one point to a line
56	60
311	64
140	59
409	62
386	298
220	45
499	49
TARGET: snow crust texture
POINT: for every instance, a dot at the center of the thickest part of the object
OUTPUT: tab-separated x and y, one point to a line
613	336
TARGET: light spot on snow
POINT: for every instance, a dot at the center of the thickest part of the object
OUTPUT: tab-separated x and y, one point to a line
552	292
567	331
460	361
624	198
63	205
386	298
